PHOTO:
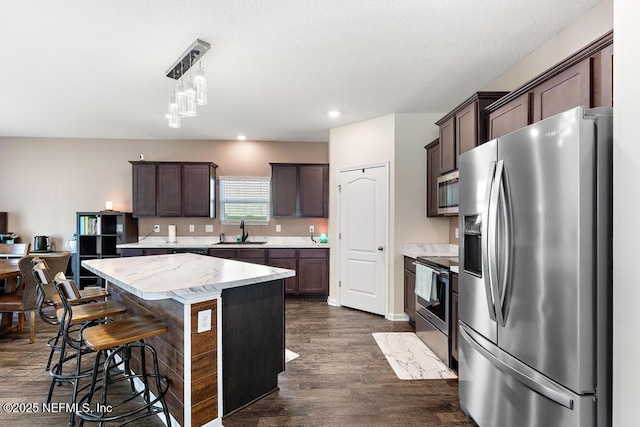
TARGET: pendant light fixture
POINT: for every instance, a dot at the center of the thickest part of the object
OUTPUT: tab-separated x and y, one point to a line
187	94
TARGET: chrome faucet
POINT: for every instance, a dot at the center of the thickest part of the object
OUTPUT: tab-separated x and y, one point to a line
243	235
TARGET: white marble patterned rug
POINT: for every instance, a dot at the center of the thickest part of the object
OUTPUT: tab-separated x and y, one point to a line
289	355
410	358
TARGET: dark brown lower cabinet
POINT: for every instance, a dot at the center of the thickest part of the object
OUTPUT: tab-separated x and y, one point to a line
311	266
410	288
454	316
141	252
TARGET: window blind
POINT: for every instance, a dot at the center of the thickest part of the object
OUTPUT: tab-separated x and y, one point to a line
244	198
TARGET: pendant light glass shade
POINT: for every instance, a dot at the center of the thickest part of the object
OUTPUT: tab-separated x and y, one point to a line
181	98
190	92
174	115
201	86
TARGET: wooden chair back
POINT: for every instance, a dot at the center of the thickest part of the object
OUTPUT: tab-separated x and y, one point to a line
14	250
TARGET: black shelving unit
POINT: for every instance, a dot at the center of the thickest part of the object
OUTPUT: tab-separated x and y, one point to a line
98	235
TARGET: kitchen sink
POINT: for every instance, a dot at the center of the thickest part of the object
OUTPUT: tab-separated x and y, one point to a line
248	242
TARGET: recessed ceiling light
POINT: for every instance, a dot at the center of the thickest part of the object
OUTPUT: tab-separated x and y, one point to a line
334	113
241	137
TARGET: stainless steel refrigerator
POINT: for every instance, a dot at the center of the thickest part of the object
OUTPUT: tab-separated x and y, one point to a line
536	274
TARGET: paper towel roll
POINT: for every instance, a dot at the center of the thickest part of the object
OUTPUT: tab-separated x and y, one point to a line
172	233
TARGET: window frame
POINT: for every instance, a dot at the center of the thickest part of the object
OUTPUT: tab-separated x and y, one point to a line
221	203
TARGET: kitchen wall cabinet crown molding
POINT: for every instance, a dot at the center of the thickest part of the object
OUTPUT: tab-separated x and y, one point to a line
299	190
173	189
464	128
584	78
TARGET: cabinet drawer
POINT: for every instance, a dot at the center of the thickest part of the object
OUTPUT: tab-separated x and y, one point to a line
251	253
223	253
454	283
312	253
282	253
131	252
408	264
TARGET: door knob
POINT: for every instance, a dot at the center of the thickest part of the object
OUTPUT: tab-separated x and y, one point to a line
380	248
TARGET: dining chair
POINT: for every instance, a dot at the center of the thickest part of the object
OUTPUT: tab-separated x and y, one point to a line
23	299
12	250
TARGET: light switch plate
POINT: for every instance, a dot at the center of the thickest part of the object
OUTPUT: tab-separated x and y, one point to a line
457	233
278	228
204	320
192	228
208	228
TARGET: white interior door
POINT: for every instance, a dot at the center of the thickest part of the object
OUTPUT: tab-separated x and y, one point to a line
363	220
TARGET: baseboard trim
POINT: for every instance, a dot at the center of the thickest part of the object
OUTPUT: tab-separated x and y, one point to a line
397	317
333	302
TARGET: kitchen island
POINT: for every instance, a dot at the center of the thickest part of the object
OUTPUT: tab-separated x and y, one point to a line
225	343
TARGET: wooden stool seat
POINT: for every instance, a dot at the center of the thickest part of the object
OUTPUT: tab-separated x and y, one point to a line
86	295
97	310
122	332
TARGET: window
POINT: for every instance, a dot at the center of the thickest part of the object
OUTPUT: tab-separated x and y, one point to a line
244	198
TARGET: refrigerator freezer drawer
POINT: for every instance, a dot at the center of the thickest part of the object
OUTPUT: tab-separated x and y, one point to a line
497	393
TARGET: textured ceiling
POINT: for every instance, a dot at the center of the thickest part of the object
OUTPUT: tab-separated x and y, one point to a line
95	68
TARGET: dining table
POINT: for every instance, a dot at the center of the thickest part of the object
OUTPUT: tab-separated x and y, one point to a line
10	273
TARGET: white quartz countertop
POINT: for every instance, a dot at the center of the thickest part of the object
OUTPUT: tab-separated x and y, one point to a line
415	250
183	276
214	242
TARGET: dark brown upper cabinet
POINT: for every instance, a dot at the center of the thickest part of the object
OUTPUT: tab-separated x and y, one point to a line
299	190
174	189
433	171
464	128
583	79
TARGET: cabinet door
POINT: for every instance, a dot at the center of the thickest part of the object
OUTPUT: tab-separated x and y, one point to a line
447	146
196	186
410	294
313	276
290	283
144	190
568	89
314	191
510	117
603	78
467	128
169	190
284	189
454	325
433	171
223	253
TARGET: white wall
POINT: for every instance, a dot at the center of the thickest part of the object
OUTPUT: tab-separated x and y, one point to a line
398	139
626	209
589	27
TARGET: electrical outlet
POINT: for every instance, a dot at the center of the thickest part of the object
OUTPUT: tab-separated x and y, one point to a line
456	232
156	228
208	228
278	228
204	320
312	229
192	228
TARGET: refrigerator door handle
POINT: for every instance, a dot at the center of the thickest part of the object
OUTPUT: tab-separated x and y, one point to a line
488	287
549	393
506	236
491	239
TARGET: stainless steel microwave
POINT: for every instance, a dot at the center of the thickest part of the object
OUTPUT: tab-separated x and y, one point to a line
448	194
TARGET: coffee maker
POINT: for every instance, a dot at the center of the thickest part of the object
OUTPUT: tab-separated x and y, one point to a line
41	244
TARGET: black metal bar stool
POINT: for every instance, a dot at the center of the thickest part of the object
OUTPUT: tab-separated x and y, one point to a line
116	342
74	319
48	300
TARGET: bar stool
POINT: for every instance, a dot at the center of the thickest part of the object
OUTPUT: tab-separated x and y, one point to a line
114	341
74	319
48	300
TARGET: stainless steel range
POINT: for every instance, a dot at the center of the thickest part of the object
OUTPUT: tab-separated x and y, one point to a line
433	306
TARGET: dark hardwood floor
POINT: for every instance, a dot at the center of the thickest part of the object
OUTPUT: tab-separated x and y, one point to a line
340	379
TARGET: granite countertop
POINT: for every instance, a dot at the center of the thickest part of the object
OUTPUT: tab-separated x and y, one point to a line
213	242
182	276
